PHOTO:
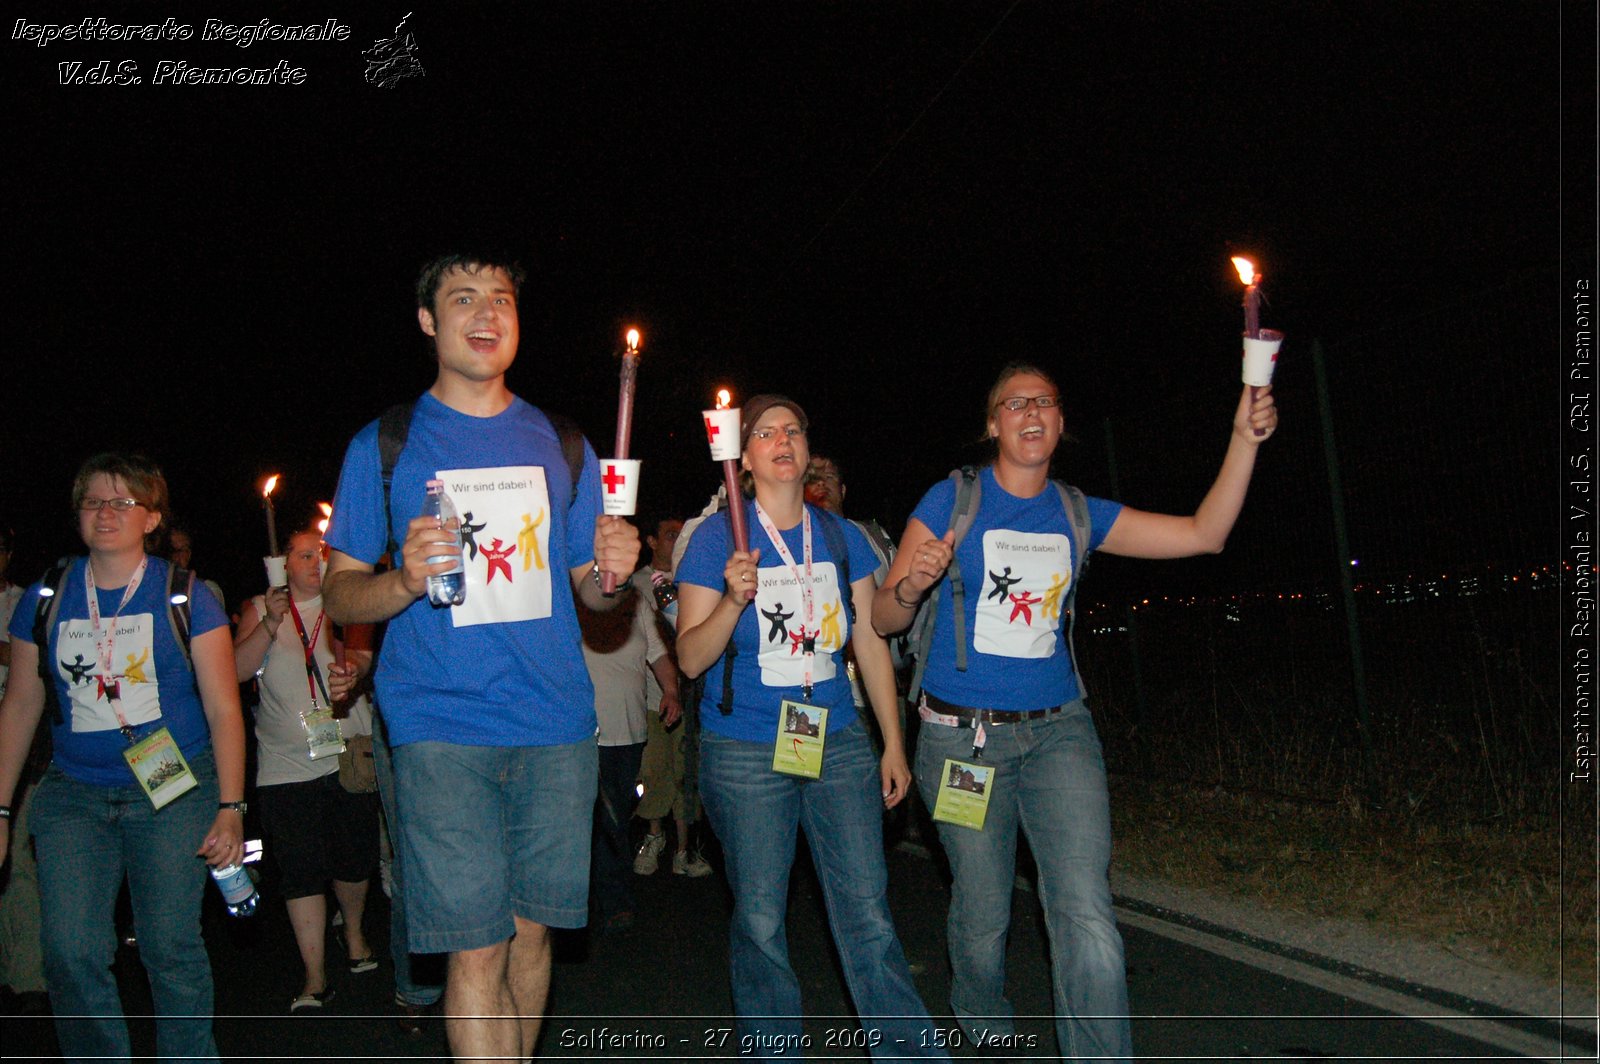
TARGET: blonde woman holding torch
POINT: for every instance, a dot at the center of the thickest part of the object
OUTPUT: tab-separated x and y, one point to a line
1002	706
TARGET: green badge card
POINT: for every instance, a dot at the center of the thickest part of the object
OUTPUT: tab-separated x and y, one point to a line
964	793
802	730
159	766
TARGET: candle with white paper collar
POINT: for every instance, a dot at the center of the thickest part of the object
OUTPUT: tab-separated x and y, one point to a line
615	472
722	433
1260	345
277	572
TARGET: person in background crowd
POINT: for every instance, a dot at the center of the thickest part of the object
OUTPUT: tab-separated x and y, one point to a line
180	551
620	648
1015	708
671	739
780	612
316	829
21	962
128	696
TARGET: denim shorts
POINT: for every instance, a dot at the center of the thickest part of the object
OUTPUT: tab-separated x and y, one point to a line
492	832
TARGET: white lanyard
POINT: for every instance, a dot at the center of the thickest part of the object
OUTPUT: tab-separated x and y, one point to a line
105	638
808	634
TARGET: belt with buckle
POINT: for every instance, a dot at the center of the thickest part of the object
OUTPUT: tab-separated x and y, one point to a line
938	707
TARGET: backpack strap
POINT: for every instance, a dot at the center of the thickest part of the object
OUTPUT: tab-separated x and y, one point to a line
571	447
180	593
44	618
968	493
1077	508
394	426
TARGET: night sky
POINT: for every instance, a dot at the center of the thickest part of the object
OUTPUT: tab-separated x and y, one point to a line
869	205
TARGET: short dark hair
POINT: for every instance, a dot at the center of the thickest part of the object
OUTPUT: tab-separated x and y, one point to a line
434	272
143	478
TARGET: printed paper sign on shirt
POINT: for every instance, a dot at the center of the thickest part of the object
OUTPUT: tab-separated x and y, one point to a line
505	543
133	675
781	617
1025	577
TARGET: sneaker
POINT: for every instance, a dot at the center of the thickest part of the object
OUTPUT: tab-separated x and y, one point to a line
649	857
689	864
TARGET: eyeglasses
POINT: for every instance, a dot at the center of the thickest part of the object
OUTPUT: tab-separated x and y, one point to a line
91	505
1018	403
763	435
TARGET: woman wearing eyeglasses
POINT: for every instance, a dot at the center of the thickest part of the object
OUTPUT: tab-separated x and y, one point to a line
782	746
147	779
1002	709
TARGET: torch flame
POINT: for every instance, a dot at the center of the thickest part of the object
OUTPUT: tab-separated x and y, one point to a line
327	515
633	341
723	399
1247	270
272	483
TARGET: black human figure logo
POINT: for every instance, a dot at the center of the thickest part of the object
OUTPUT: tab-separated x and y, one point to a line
77	671
1002	584
779	631
469	530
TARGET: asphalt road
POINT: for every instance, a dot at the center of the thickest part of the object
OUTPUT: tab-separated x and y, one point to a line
667	980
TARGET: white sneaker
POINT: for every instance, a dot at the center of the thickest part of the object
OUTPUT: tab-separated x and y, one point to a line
649	856
689	864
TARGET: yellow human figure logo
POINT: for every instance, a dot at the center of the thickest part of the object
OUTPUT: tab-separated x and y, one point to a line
1052	597
134	673
528	542
828	634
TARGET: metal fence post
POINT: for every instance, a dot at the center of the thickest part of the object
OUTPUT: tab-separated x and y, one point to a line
1341	536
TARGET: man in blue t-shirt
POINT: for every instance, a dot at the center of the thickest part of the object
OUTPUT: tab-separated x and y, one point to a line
489	708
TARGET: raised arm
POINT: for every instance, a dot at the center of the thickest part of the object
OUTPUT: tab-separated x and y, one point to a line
1139	534
919	564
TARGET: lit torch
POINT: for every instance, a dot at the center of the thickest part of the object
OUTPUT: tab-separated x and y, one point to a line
272	517
618	470
1260	345
722	433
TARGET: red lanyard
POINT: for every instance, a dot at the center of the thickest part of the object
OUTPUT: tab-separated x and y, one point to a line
808	634
105	638
313	673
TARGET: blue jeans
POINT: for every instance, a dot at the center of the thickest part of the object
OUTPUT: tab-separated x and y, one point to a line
88	837
755	812
1050	779
406	987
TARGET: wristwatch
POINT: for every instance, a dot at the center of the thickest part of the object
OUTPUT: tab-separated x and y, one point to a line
239	807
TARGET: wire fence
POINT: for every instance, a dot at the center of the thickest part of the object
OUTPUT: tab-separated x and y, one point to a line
1410	661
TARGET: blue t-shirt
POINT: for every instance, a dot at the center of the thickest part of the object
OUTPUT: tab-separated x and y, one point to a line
504	668
768	663
1016	567
156	685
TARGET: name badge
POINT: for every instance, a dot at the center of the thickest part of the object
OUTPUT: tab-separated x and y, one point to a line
322	734
964	792
159	767
802	731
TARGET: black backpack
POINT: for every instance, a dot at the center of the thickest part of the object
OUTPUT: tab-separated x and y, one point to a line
180	588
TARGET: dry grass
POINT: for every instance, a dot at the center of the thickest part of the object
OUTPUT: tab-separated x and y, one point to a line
1497	888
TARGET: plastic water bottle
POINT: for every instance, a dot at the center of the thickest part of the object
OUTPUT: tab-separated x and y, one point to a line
238	889
445	589
666	593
